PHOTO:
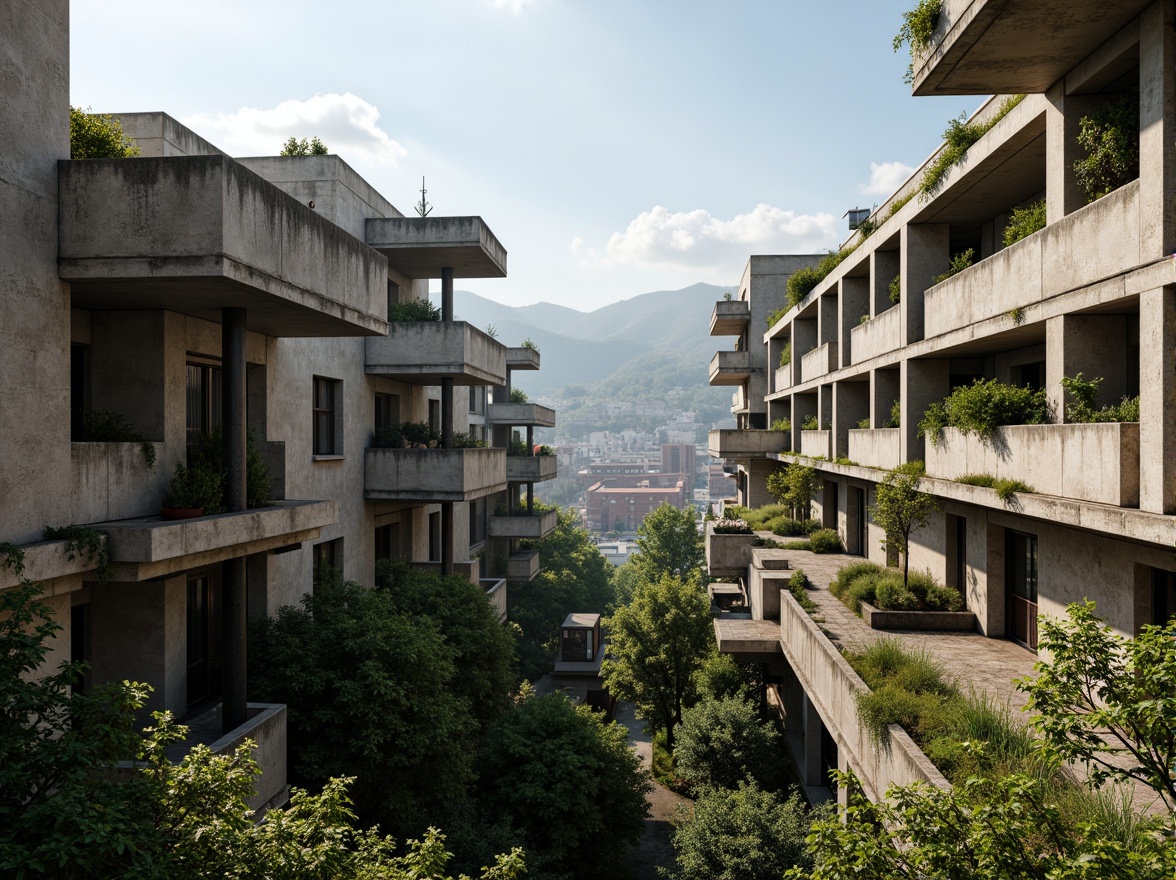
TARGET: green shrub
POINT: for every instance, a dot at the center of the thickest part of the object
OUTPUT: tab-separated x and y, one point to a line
1110	136
848	574
984	406
530	343
898	204
1024	221
985	480
98	136
958	137
810	423
864	424
798	545
811	525
802	281
893	596
518	395
413	310
896	289
1006	489
1082	409
786	353
787	527
918	27
775	316
958	263
825	541
895	420
781	425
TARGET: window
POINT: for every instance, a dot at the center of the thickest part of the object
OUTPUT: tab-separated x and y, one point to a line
204	639
434	537
328	416
387	410
328	560
435	414
204	400
1163	596
478	521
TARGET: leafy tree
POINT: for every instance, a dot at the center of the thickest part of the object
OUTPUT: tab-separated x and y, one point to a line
795	485
669	544
724	742
568	781
295	147
900	509
575	578
1109	702
742	834
625	579
371	693
720	677
98	136
656	645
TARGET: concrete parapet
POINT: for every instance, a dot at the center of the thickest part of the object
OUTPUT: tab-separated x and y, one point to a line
815	444
522	567
758	442
879	335
45	561
727	556
821	361
522	525
111	481
425	352
531	468
267	728
1087	462
767	575
925	621
521	414
832	686
522	358
879	448
421	247
783	378
496	594
730	367
730	317
436	475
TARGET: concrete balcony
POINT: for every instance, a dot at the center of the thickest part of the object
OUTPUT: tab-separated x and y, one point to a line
521	414
1094	243
150	547
748	443
878	448
986	47
531	468
420	247
1098	462
521	525
821	361
782	378
878	336
523	567
730	318
425	352
111	481
522	358
433	475
496	594
816	444
470	569
196	234
739	401
730	368
44	561
727	556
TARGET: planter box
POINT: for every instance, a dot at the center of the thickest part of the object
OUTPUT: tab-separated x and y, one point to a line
523	566
749	443
727	556
730	367
879	335
1098	462
879	448
929	621
816	443
818	362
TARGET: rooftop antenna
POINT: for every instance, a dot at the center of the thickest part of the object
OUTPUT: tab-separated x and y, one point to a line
424	207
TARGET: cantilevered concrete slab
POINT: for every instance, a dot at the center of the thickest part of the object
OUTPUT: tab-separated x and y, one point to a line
425	352
730	317
522	358
531	468
748	639
522	414
730	367
524	526
523	566
433	475
420	247
1001	47
196	234
747	443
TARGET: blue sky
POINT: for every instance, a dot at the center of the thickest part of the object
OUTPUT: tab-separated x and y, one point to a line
614	146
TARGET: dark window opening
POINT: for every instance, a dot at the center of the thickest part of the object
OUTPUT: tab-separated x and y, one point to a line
326	394
204	401
204	640
328	560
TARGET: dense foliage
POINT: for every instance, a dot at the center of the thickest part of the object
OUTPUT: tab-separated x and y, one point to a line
957	264
802	281
413	310
900	509
724	742
98	136
958	137
1110	136
794	486
1082	408
917	30
295	147
984	406
1024	222
1004	487
669	543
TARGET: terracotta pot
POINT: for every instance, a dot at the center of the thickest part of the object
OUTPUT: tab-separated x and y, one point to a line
181	512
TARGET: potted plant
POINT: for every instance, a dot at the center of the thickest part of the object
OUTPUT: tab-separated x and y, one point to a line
192	492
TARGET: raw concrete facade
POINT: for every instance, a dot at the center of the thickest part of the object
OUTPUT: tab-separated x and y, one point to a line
1091	292
185	290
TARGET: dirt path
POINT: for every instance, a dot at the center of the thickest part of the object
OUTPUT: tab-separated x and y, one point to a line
656	847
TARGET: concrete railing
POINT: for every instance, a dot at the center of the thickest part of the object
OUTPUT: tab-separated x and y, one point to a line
879	335
816	443
531	468
521	414
496	593
470	569
727	556
523	566
267	728
880	448
111	481
818	362
767	575
1097	462
729	317
522	525
425	352
833	687
730	367
522	358
783	378
757	442
1093	243
433	474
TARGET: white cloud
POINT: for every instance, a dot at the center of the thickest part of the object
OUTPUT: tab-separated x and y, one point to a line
515	6
576	245
885	178
347	124
695	241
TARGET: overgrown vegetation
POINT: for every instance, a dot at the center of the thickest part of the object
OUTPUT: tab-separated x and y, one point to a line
884	588
295	147
781	425
786	353
104	426
799	585
794	486
900	508
413	310
895	420
518	395
810	423
98	136
1082	408
802	281
958	137
775	518
895	289
1024	222
917	30
530	344
819	541
958	263
83	542
984	406
1110	136
1005	488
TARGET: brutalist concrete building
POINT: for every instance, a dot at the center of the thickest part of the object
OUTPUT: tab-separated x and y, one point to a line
896	327
186	292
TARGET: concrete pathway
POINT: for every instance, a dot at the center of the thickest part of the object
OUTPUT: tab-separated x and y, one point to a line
656	848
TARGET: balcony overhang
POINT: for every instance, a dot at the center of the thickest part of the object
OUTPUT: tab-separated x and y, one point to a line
425	352
148	548
433	475
748	639
420	247
747	443
523	567
730	368
730	318
531	468
997	47
521	414
522	358
523	526
196	234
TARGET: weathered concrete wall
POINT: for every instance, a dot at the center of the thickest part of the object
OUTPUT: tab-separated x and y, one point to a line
818	362
1089	462
434	474
111	481
522	414
430	350
727	556
815	443
531	468
880	447
879	335
727	443
158	134
523	526
267	728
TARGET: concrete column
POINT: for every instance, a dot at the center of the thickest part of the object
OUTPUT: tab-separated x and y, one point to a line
447	538
812	745
827	324
925	251
853	302
234	597
1157	400
446	384
1157	131
1094	345
884	265
850	404
923	383
1063	194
